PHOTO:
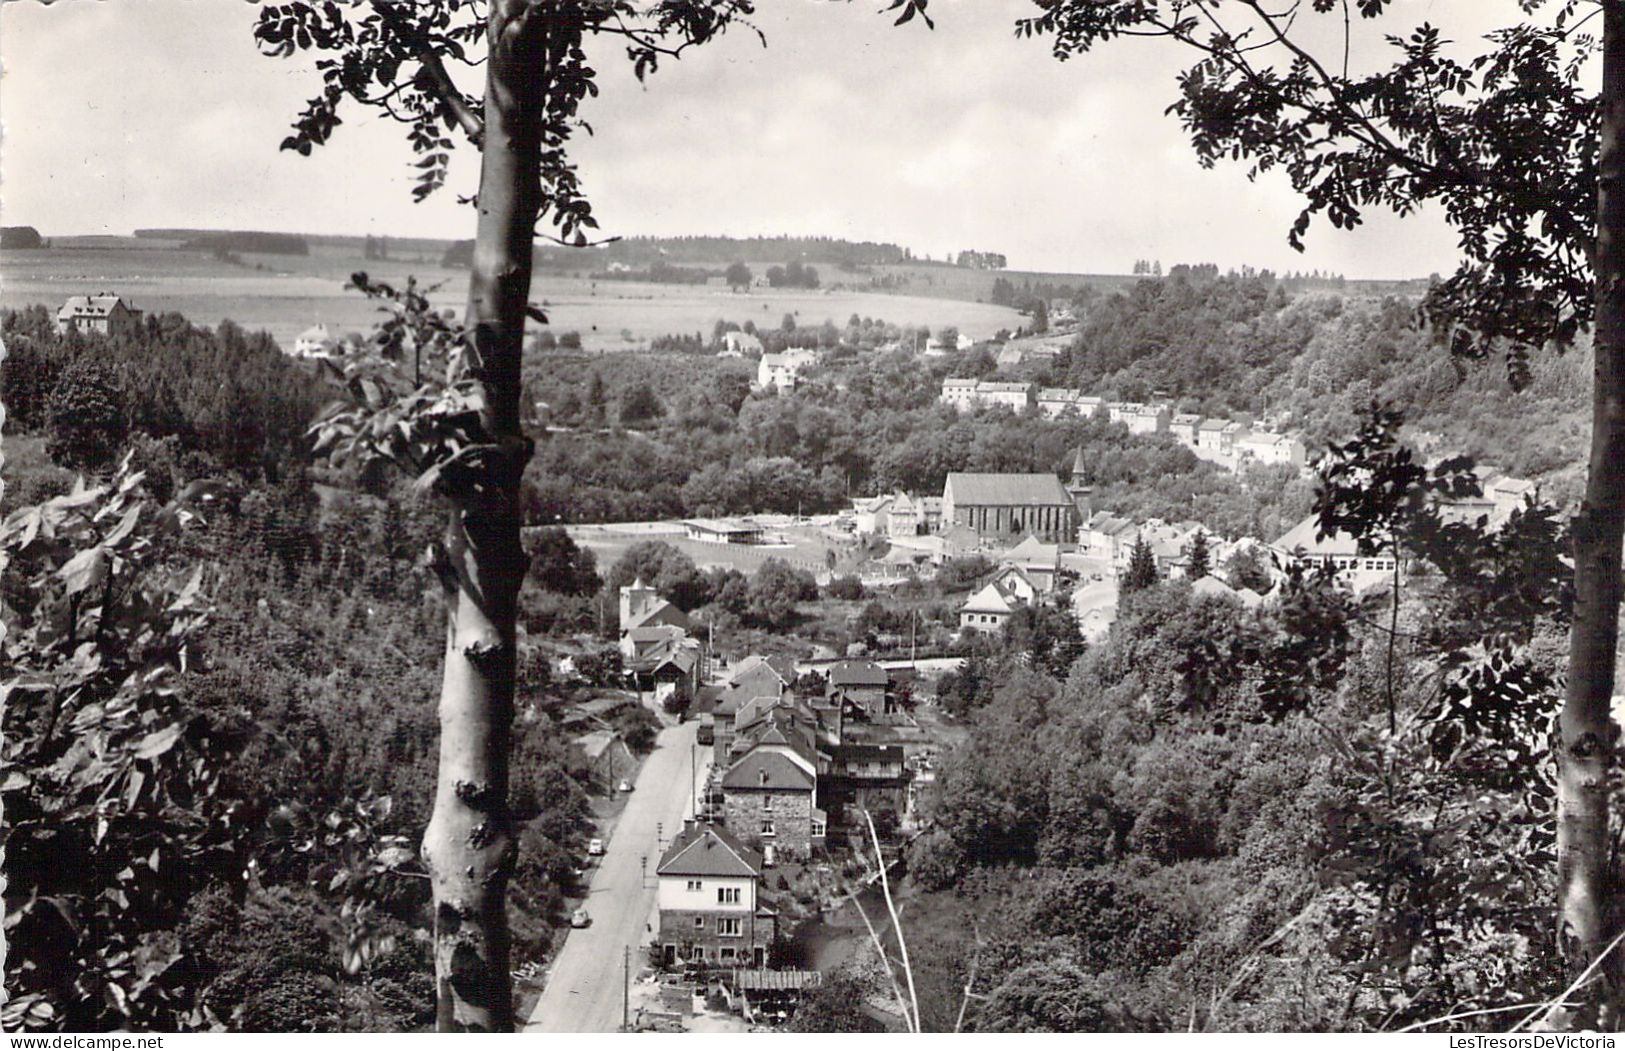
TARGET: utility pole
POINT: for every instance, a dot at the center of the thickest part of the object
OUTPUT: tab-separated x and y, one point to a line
626	988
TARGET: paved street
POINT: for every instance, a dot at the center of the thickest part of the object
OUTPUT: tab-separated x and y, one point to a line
1095	606
583	992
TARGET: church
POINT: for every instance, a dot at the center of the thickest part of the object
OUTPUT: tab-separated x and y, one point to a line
1015	505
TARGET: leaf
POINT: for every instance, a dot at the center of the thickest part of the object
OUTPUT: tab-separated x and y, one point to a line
132	787
187	593
125	527
85	570
157	743
395	857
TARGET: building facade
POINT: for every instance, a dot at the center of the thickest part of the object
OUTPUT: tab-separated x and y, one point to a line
1006	505
710	912
105	314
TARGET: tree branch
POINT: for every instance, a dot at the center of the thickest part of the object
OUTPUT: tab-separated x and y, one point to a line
429	60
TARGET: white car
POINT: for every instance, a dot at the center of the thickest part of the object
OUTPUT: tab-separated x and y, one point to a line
595	847
625	786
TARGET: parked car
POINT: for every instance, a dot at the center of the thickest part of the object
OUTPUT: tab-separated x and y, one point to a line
625	786
595	847
579	918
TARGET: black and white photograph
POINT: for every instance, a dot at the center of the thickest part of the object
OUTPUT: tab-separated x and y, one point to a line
812	516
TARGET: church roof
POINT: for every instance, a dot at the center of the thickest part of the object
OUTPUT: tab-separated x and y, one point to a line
1005	490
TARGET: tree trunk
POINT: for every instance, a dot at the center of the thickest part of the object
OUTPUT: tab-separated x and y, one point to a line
1586	733
468	845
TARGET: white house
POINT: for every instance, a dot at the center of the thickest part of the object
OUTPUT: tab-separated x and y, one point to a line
1147	419
104	314
1185	426
313	342
960	393
1015	396
1300	545
1268	447
710	912
1056	402
988	609
780	371
737	344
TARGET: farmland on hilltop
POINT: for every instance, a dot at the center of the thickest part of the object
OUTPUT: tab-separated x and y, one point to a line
285	294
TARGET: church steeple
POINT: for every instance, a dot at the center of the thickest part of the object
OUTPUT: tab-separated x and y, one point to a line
1079	488
1080	470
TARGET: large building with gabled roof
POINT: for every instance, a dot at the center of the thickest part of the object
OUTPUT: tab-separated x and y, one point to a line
711	913
770	791
105	314
1010	505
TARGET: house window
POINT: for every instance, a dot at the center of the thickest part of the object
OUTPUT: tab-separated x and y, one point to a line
698	953
726	953
767	829
727	895
699	923
817	827
693	884
767	802
728	927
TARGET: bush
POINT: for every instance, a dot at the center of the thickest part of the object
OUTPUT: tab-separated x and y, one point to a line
85	416
847	589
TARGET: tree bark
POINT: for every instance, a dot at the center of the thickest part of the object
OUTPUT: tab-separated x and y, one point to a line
1589	916
469	845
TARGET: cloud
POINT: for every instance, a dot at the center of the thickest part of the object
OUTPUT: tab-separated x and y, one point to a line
161	112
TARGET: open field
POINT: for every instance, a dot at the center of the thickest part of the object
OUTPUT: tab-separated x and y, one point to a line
285	294
806	548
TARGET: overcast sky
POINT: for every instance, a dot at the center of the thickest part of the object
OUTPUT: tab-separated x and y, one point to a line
162	113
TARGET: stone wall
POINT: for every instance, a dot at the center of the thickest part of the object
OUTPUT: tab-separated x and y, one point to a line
678	928
745	810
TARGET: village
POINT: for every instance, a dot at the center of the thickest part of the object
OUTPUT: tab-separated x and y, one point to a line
804	775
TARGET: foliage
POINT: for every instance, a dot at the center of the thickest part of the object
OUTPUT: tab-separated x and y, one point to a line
112	783
1196	556
232	401
1503	140
835	1007
1142	568
847	588
84	417
558	564
1214	809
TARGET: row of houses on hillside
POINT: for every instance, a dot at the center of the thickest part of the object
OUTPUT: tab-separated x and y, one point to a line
1500	497
1233	440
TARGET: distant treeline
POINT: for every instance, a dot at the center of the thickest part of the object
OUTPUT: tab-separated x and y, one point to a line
724	250
20	237
249	241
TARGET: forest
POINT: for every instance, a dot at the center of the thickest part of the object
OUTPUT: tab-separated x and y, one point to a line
1329	813
251	755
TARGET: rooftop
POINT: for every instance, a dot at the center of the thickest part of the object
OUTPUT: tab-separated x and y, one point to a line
1005	490
708	850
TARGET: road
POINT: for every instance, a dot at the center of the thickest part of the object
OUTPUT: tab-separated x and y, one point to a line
583	991
1095	606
